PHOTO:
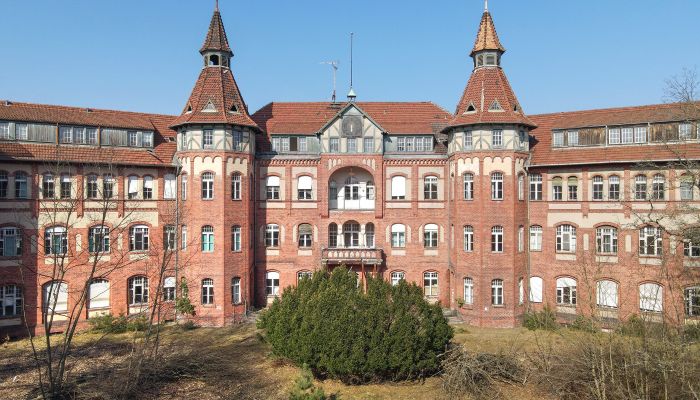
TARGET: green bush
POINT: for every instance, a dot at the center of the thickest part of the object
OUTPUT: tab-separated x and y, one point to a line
339	331
545	319
691	333
304	389
108	324
584	324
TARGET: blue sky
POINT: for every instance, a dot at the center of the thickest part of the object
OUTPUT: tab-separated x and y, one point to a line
143	55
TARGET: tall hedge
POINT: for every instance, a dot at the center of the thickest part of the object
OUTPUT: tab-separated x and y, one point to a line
339	331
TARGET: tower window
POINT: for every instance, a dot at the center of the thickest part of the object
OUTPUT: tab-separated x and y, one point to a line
213	60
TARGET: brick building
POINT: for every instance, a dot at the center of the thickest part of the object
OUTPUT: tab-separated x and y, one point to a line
490	210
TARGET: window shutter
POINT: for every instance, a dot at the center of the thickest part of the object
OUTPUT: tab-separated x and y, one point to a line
293	144
99	294
148	182
169	190
305	182
536	289
305	229
273	181
398	186
557	181
133	184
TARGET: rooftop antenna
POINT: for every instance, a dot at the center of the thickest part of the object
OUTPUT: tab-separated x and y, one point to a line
351	93
486	5
216	8
334	65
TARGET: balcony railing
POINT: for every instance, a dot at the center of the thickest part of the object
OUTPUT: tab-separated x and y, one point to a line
342	255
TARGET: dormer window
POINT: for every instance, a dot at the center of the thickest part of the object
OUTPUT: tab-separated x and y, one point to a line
233	108
495	106
471	108
490	59
213	60
209	107
189	108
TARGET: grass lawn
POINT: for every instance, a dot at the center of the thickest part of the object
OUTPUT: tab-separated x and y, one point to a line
235	364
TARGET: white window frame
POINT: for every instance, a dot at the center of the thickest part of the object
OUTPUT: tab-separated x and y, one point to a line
468	290
566	239
535	238
497	239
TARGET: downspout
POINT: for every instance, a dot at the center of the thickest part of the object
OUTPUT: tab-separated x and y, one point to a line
178	171
450	190
528	272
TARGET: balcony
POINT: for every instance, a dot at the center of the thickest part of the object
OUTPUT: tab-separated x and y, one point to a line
342	255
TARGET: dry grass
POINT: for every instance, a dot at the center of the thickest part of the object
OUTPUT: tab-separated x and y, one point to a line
225	363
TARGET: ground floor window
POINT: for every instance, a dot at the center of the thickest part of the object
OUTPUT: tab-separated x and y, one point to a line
10	301
208	291
468	290
396	277
272	283
566	291
169	289
55	297
304	275
138	290
430	284
497	292
99	293
236	290
692	301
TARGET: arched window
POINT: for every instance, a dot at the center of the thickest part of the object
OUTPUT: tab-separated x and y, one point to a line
235	238
566	239
272	283
305	235
332	235
430	284
48	186
430	188
691	301
21	191
614	187
566	291
557	188
651	297
640	187
521	291
497	292
55	297
272	235
658	187
207	291
650	241
272	188
10	301
236	290
468	186
132	187
207	239
606	240
351	234
369	235
92	191
468	290
213	60
398	235
4	184
468	238
396	277
138	290
304	275
687	185
170	186
598	187
66	185
497	239
572	188
535	187
535	238
536	289
496	186
430	236
398	188
207	186
183	186
138	238
169	288
521	187
99	294
606	294
107	186
304	188
147	187
521	238
10	241
98	239
56	240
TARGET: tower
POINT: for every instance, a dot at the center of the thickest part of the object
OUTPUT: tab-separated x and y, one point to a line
488	150
215	153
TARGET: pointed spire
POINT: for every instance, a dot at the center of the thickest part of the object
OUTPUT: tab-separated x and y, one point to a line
216	36
487	38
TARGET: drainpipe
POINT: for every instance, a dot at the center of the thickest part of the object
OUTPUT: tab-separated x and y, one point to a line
527	224
178	193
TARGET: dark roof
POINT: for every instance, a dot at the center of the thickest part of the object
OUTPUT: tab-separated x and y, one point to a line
216	36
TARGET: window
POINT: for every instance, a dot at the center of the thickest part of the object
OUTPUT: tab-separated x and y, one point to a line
138	238
107	186
497	239
334	145
138	290
351	234
369	235
305	235
147	139
4	183
557	189
650	241
566	239
497	186
170	186
273	188
606	240
272	283
685	132
48	186
398	188
468	140
272	235
5	131
368	145
352	145
10	301
169	288
66	134
658	184
396	277
497	292
557	139
536	238
398	235
280	144
627	135
468	290
614	187
92	191
236	290
468	186
352	188
572	186
133	187
430	284
98	239
640	187
10	242
690	249
430	236
521	187
207	291
236	186
430	188
65	186
468	238
566	291
147	187
133	138
183	237
573	138
302	146
99	294
597	187
606	294
370	190
536	284
691	300
301	275
22	131
207	186
651	297
521	291
687	187
56	241
183	187
207	139
207	239
169	237
235	238
497	138
304	187
21	185
521	238
640	134
55	297
332	235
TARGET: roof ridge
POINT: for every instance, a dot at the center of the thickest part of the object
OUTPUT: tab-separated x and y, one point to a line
83	109
617	108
